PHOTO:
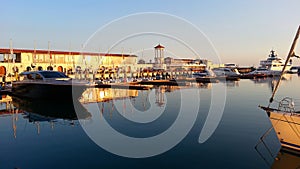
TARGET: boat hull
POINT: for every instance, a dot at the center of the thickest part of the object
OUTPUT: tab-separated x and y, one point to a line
44	91
287	127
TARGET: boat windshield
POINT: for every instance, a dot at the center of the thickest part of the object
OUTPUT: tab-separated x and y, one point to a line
262	69
53	75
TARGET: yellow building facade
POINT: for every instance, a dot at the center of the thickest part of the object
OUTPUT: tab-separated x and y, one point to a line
19	60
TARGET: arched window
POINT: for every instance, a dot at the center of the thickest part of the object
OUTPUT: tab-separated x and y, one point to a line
40	68
28	68
2	71
49	68
60	69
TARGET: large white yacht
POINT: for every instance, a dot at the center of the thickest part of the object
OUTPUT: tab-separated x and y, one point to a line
274	64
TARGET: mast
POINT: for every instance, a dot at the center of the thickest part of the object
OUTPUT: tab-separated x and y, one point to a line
34	53
291	54
124	67
49	54
12	57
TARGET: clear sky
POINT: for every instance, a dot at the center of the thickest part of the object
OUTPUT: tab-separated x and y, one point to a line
241	31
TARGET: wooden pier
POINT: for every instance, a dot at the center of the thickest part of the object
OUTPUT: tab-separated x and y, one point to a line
5	92
199	80
163	82
128	86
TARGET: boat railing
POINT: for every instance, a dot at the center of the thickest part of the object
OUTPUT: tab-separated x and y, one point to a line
287	104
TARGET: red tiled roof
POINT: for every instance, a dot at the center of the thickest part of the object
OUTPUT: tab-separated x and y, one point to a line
159	46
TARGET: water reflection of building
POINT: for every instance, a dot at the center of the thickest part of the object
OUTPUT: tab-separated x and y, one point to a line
161	90
95	95
232	83
5	103
102	95
8	109
160	96
202	85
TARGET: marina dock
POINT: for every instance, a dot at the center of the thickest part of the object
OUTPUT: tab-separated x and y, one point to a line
5	92
163	82
127	86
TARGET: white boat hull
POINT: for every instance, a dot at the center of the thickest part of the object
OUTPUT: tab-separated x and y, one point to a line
287	127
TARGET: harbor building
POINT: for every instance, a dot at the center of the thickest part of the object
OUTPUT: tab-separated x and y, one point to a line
159	57
93	65
13	61
179	64
185	64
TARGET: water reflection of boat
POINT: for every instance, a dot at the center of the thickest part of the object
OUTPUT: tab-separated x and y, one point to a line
286	160
271	81
48	85
48	111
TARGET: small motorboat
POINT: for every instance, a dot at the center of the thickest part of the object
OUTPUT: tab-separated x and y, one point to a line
227	72
48	85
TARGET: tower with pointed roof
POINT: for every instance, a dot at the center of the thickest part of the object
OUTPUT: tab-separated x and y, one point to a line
159	56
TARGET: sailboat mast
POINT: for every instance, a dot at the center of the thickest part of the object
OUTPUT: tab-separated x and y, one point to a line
12	57
291	53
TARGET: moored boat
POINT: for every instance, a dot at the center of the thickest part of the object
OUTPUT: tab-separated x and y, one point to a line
285	119
48	85
294	69
227	72
257	73
274	64
286	122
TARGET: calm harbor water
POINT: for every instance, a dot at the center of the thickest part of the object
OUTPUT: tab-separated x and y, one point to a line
31	141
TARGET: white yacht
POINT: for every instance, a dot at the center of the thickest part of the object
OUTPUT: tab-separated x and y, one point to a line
274	64
205	73
226	71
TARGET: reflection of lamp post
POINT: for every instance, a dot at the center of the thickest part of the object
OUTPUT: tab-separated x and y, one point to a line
159	93
12	57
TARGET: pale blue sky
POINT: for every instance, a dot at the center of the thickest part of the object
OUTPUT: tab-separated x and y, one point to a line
241	31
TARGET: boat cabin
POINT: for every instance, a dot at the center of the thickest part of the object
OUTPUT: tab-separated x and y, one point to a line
42	75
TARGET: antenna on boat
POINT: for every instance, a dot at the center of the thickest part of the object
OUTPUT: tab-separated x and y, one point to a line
291	54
